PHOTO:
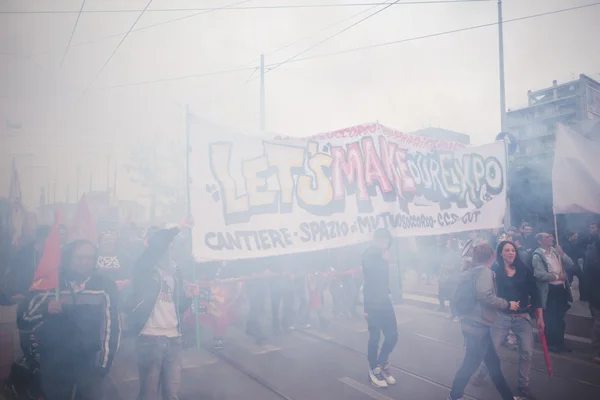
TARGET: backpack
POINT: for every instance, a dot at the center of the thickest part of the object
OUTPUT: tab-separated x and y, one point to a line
465	296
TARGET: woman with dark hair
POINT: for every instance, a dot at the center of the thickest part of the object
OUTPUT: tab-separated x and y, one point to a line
515	283
80	331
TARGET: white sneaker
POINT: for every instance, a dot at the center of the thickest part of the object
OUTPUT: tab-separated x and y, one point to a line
376	378
385	371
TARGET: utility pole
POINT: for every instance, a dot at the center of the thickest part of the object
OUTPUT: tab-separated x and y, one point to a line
91	182
67	194
107	172
501	59
77	183
54	193
262	94
115	181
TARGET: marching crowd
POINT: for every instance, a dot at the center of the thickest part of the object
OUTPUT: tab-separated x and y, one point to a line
497	284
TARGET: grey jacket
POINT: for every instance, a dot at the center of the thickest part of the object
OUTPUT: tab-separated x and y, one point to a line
543	277
488	304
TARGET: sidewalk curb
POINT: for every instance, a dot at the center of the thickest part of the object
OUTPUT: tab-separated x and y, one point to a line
575	335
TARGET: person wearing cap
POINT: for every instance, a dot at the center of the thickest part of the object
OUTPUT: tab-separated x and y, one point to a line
379	310
160	300
549	265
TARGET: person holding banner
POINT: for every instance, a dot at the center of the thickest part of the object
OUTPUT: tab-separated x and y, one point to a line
161	300
555	291
379	310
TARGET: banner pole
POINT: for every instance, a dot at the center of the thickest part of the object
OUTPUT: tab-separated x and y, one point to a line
507	212
188	150
562	269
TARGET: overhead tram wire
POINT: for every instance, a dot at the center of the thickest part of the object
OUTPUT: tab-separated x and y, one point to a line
283	47
72	34
332	36
373	46
323	30
213	73
264	7
114	51
142	28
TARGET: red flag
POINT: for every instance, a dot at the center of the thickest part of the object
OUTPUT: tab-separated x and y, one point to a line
47	273
83	226
546	353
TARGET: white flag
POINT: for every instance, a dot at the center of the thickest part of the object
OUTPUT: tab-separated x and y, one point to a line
576	173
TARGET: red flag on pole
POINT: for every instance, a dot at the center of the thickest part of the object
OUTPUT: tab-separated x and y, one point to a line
83	226
47	274
546	353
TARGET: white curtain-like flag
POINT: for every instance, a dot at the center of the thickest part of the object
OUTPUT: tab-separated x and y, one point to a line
576	173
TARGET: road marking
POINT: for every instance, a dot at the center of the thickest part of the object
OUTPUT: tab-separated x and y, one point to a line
364	389
423	299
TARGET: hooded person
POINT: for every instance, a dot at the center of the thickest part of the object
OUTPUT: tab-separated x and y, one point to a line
379	310
78	334
160	301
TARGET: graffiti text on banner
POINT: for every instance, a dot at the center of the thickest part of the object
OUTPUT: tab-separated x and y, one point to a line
287	195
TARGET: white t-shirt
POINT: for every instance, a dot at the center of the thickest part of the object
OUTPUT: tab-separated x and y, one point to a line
163	320
553	265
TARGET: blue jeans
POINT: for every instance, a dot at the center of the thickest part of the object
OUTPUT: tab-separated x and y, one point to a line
522	327
159	364
479	349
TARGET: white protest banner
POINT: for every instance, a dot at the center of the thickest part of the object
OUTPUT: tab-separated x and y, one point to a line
256	197
575	173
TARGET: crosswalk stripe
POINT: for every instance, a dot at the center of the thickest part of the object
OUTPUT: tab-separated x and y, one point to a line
364	389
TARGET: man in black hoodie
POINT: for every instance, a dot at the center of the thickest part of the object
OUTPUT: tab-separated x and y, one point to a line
379	310
160	300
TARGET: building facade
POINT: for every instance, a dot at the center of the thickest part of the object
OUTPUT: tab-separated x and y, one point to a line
575	104
443	134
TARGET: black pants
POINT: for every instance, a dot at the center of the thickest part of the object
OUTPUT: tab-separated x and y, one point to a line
256	290
63	375
282	296
557	306
479	348
381	320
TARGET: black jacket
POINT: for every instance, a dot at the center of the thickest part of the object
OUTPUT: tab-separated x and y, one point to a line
521	287
590	287
146	282
88	329
376	287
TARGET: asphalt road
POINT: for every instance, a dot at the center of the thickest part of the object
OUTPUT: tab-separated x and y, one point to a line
311	364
